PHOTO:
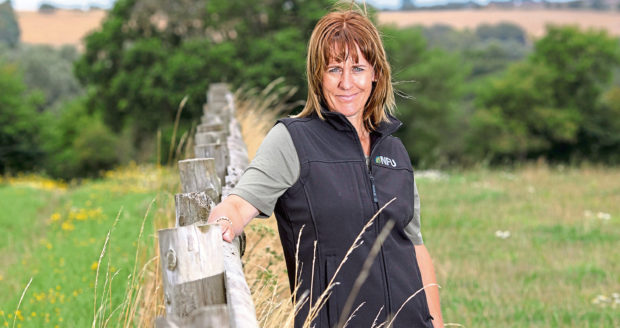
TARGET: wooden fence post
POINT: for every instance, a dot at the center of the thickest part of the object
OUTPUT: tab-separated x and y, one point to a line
218	151
199	174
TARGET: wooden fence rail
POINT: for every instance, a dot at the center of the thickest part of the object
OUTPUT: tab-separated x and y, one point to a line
204	285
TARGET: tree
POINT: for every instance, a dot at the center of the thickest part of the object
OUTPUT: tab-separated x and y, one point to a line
430	82
149	54
407	5
550	105
47	8
19	122
48	70
9	28
501	31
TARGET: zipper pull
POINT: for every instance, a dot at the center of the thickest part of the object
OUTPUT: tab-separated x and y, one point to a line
374	190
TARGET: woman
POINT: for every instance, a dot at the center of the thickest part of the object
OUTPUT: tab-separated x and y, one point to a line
325	173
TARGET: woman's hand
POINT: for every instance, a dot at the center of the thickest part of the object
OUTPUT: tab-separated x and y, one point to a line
232	214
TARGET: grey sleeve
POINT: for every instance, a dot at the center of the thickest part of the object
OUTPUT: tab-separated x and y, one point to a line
413	228
273	170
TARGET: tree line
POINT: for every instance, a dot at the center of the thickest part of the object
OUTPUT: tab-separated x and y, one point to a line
486	95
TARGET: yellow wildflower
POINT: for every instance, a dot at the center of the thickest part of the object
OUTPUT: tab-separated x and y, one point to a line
34	314
94	266
81	215
55	217
67	226
48	245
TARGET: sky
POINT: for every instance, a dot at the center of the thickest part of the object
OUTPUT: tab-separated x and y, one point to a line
84	4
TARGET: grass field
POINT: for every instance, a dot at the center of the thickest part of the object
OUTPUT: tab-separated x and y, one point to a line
54	234
529	247
560	257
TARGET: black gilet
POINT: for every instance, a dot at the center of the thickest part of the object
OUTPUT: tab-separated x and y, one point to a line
335	196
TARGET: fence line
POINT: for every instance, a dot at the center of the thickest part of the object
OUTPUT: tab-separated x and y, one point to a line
204	284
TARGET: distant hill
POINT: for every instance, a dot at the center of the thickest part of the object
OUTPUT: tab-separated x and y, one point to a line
70	26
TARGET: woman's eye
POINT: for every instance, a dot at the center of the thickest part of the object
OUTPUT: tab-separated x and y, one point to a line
334	70
358	69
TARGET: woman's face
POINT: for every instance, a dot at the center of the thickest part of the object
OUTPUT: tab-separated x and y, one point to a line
347	85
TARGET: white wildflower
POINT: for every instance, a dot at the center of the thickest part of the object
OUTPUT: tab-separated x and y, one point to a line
587	213
502	234
603	216
601	299
430	174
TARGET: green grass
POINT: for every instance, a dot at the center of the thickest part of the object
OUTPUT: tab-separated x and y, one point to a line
56	236
560	255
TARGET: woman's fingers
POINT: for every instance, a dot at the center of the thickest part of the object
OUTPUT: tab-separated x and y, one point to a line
227	233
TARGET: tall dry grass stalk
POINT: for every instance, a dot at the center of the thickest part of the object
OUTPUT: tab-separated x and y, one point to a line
174	130
143	300
257	110
21	298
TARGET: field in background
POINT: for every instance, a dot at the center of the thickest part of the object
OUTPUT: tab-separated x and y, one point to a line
70	26
58	28
532	21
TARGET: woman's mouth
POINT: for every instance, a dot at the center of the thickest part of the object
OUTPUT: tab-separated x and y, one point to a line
347	97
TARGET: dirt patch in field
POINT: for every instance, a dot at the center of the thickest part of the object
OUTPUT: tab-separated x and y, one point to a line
58	28
532	21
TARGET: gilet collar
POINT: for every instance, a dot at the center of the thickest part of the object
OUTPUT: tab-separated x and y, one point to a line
341	123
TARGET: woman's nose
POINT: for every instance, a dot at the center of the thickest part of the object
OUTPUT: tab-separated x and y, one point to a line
346	80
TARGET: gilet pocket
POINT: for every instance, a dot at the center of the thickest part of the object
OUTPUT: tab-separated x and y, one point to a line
333	306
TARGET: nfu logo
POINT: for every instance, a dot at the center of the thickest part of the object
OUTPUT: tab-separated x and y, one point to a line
385	161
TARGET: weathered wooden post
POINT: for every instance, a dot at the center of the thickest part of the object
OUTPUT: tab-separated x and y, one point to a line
202	138
192	269
199	174
217	151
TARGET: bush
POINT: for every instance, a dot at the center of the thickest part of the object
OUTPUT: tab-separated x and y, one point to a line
78	144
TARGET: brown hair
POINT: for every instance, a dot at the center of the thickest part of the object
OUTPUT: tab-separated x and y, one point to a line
337	35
